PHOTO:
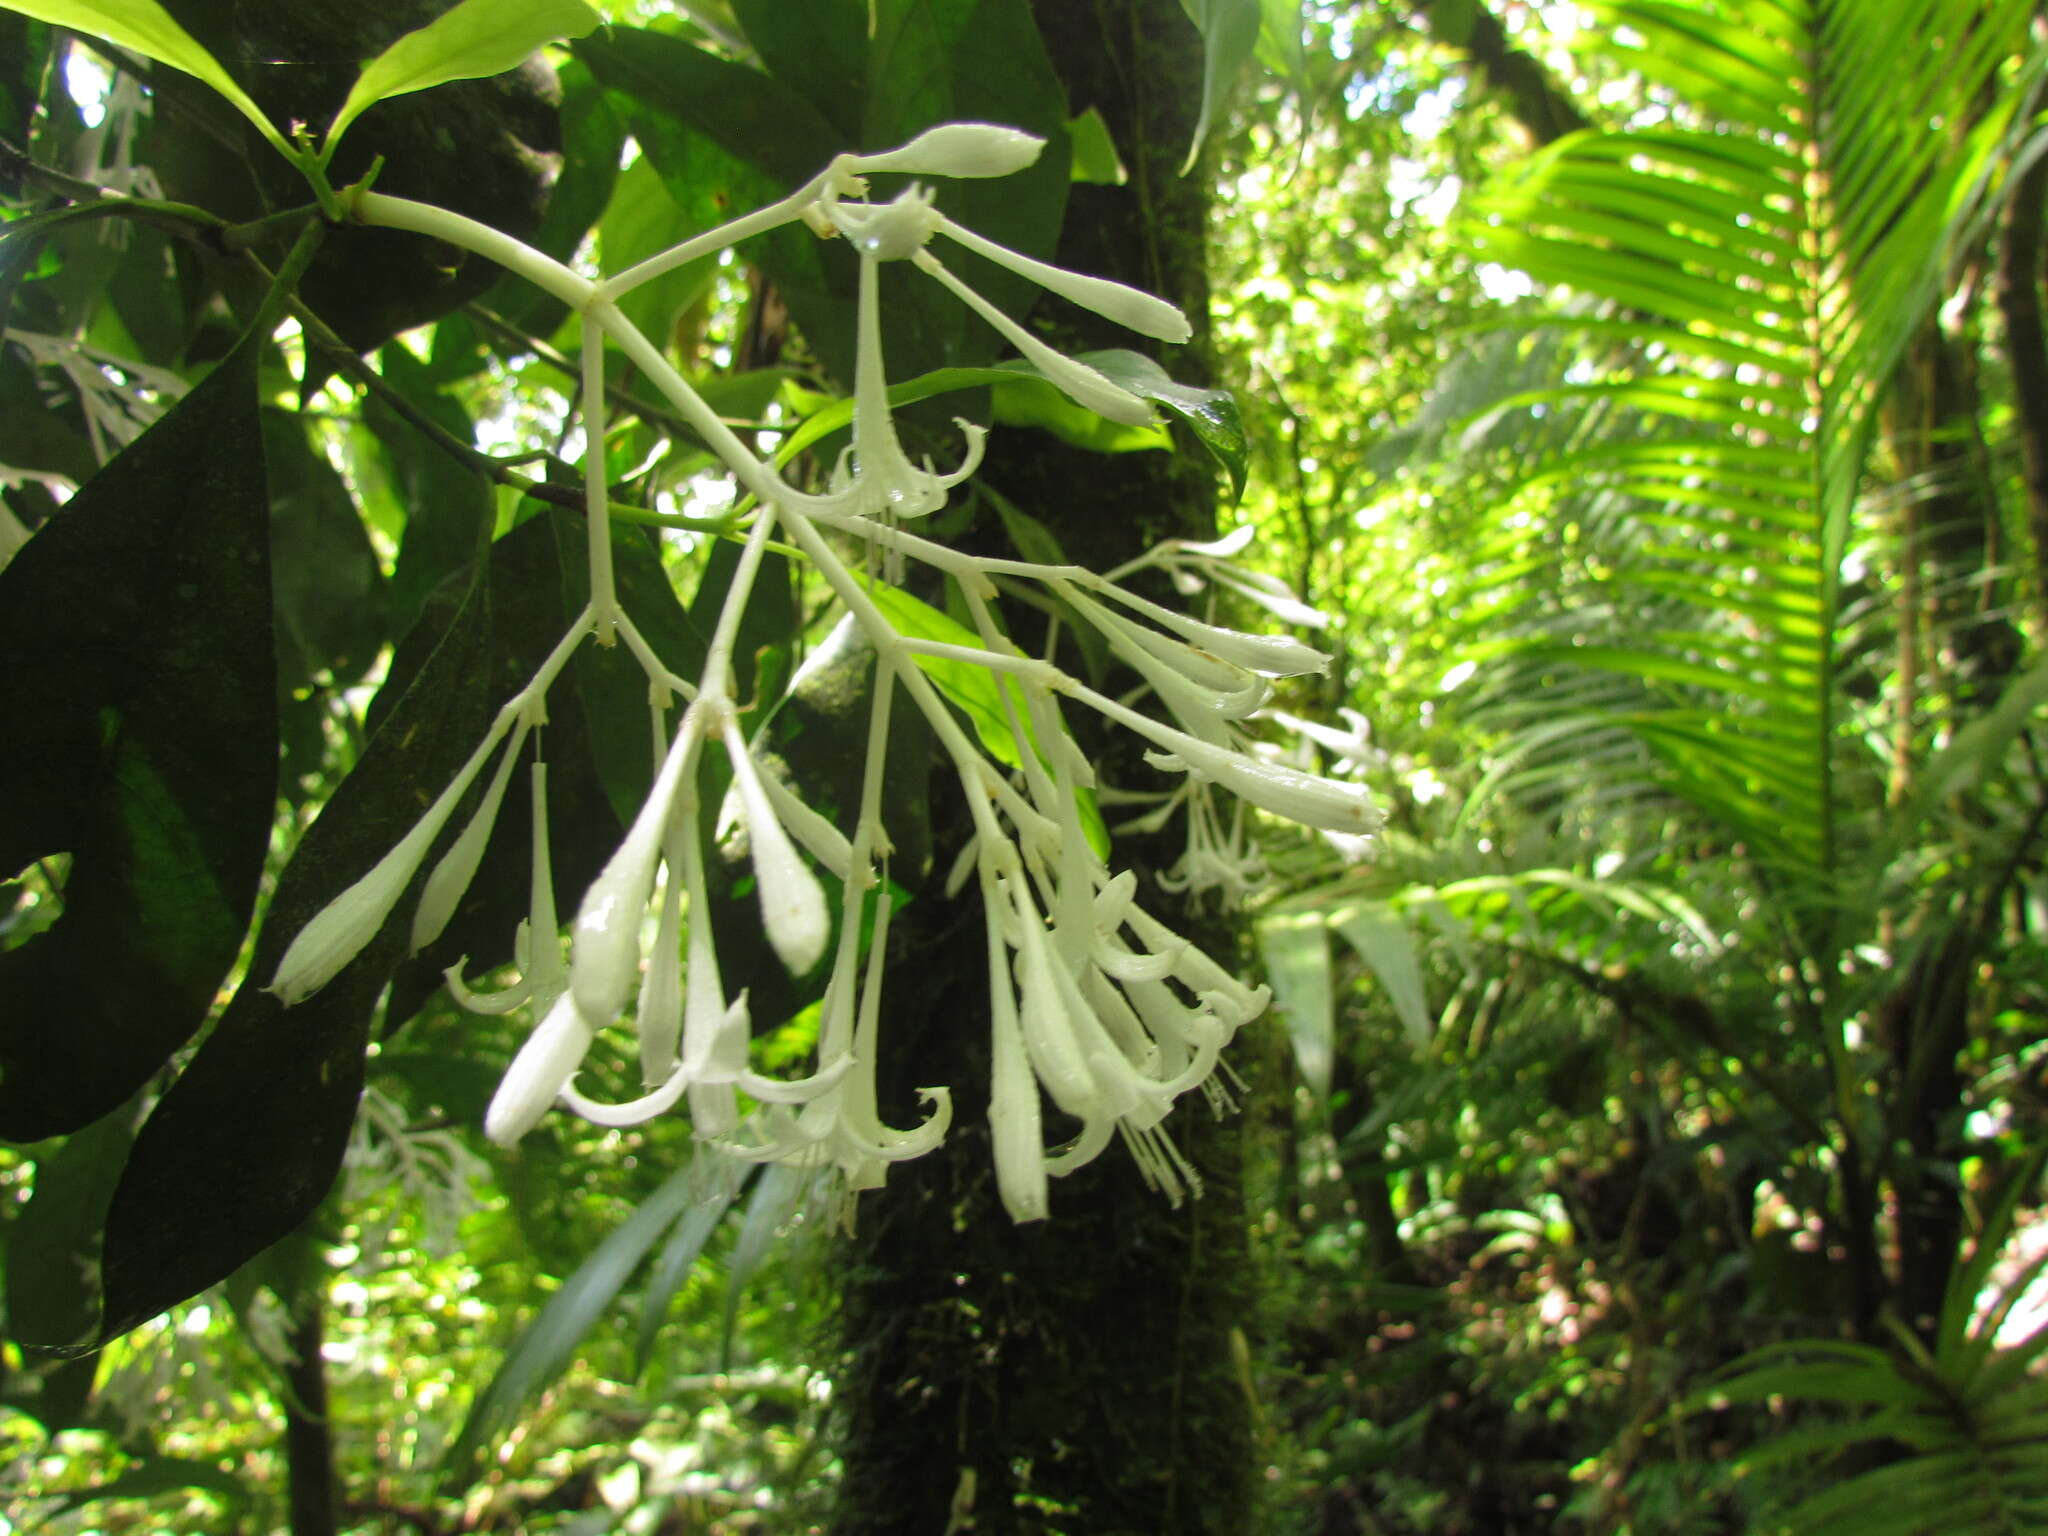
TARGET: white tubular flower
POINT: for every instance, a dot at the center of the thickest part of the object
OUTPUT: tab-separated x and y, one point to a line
660	1014
1052	1033
1218	858
792	902
820	839
539	1072
1185	679
840	1124
537	946
605	960
451	878
1193	564
1272	655
338	932
1233	1004
1353	748
1271	594
1287	792
901	230
1131	308
882	482
1077	381
1015	1124
955	149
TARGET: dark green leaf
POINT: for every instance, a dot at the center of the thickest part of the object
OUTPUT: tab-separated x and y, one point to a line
755	118
818	49
55	1241
245	1144
139	695
678	1257
329	589
448	506
592	138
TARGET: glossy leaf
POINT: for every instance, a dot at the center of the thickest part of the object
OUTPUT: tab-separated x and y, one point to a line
1387	946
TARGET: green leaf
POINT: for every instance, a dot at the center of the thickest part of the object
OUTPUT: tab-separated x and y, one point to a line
144	27
679	1256
1387	945
546	1348
1230	34
54	1246
817	48
1297	955
756	118
1095	158
329	587
975	691
246	1142
477	39
139	700
774	1203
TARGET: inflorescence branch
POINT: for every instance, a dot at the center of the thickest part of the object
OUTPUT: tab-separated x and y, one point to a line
1094	1004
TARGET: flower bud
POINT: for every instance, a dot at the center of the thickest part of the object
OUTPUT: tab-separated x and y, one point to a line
957	149
538	1073
792	902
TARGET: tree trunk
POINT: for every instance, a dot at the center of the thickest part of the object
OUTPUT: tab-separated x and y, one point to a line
1081	1373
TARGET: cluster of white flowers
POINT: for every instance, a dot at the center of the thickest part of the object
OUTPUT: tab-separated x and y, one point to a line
1095	1004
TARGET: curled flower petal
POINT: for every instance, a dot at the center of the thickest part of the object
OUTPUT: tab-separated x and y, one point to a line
505	999
634	1111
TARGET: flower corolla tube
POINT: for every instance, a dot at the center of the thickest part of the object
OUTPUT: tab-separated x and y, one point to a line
1101	1017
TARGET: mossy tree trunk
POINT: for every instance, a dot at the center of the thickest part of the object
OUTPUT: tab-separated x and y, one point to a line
1076	1374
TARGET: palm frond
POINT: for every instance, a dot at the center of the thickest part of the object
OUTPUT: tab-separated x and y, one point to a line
1754	285
1951	1439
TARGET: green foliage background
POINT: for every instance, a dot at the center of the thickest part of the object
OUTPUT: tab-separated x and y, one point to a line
1656	399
